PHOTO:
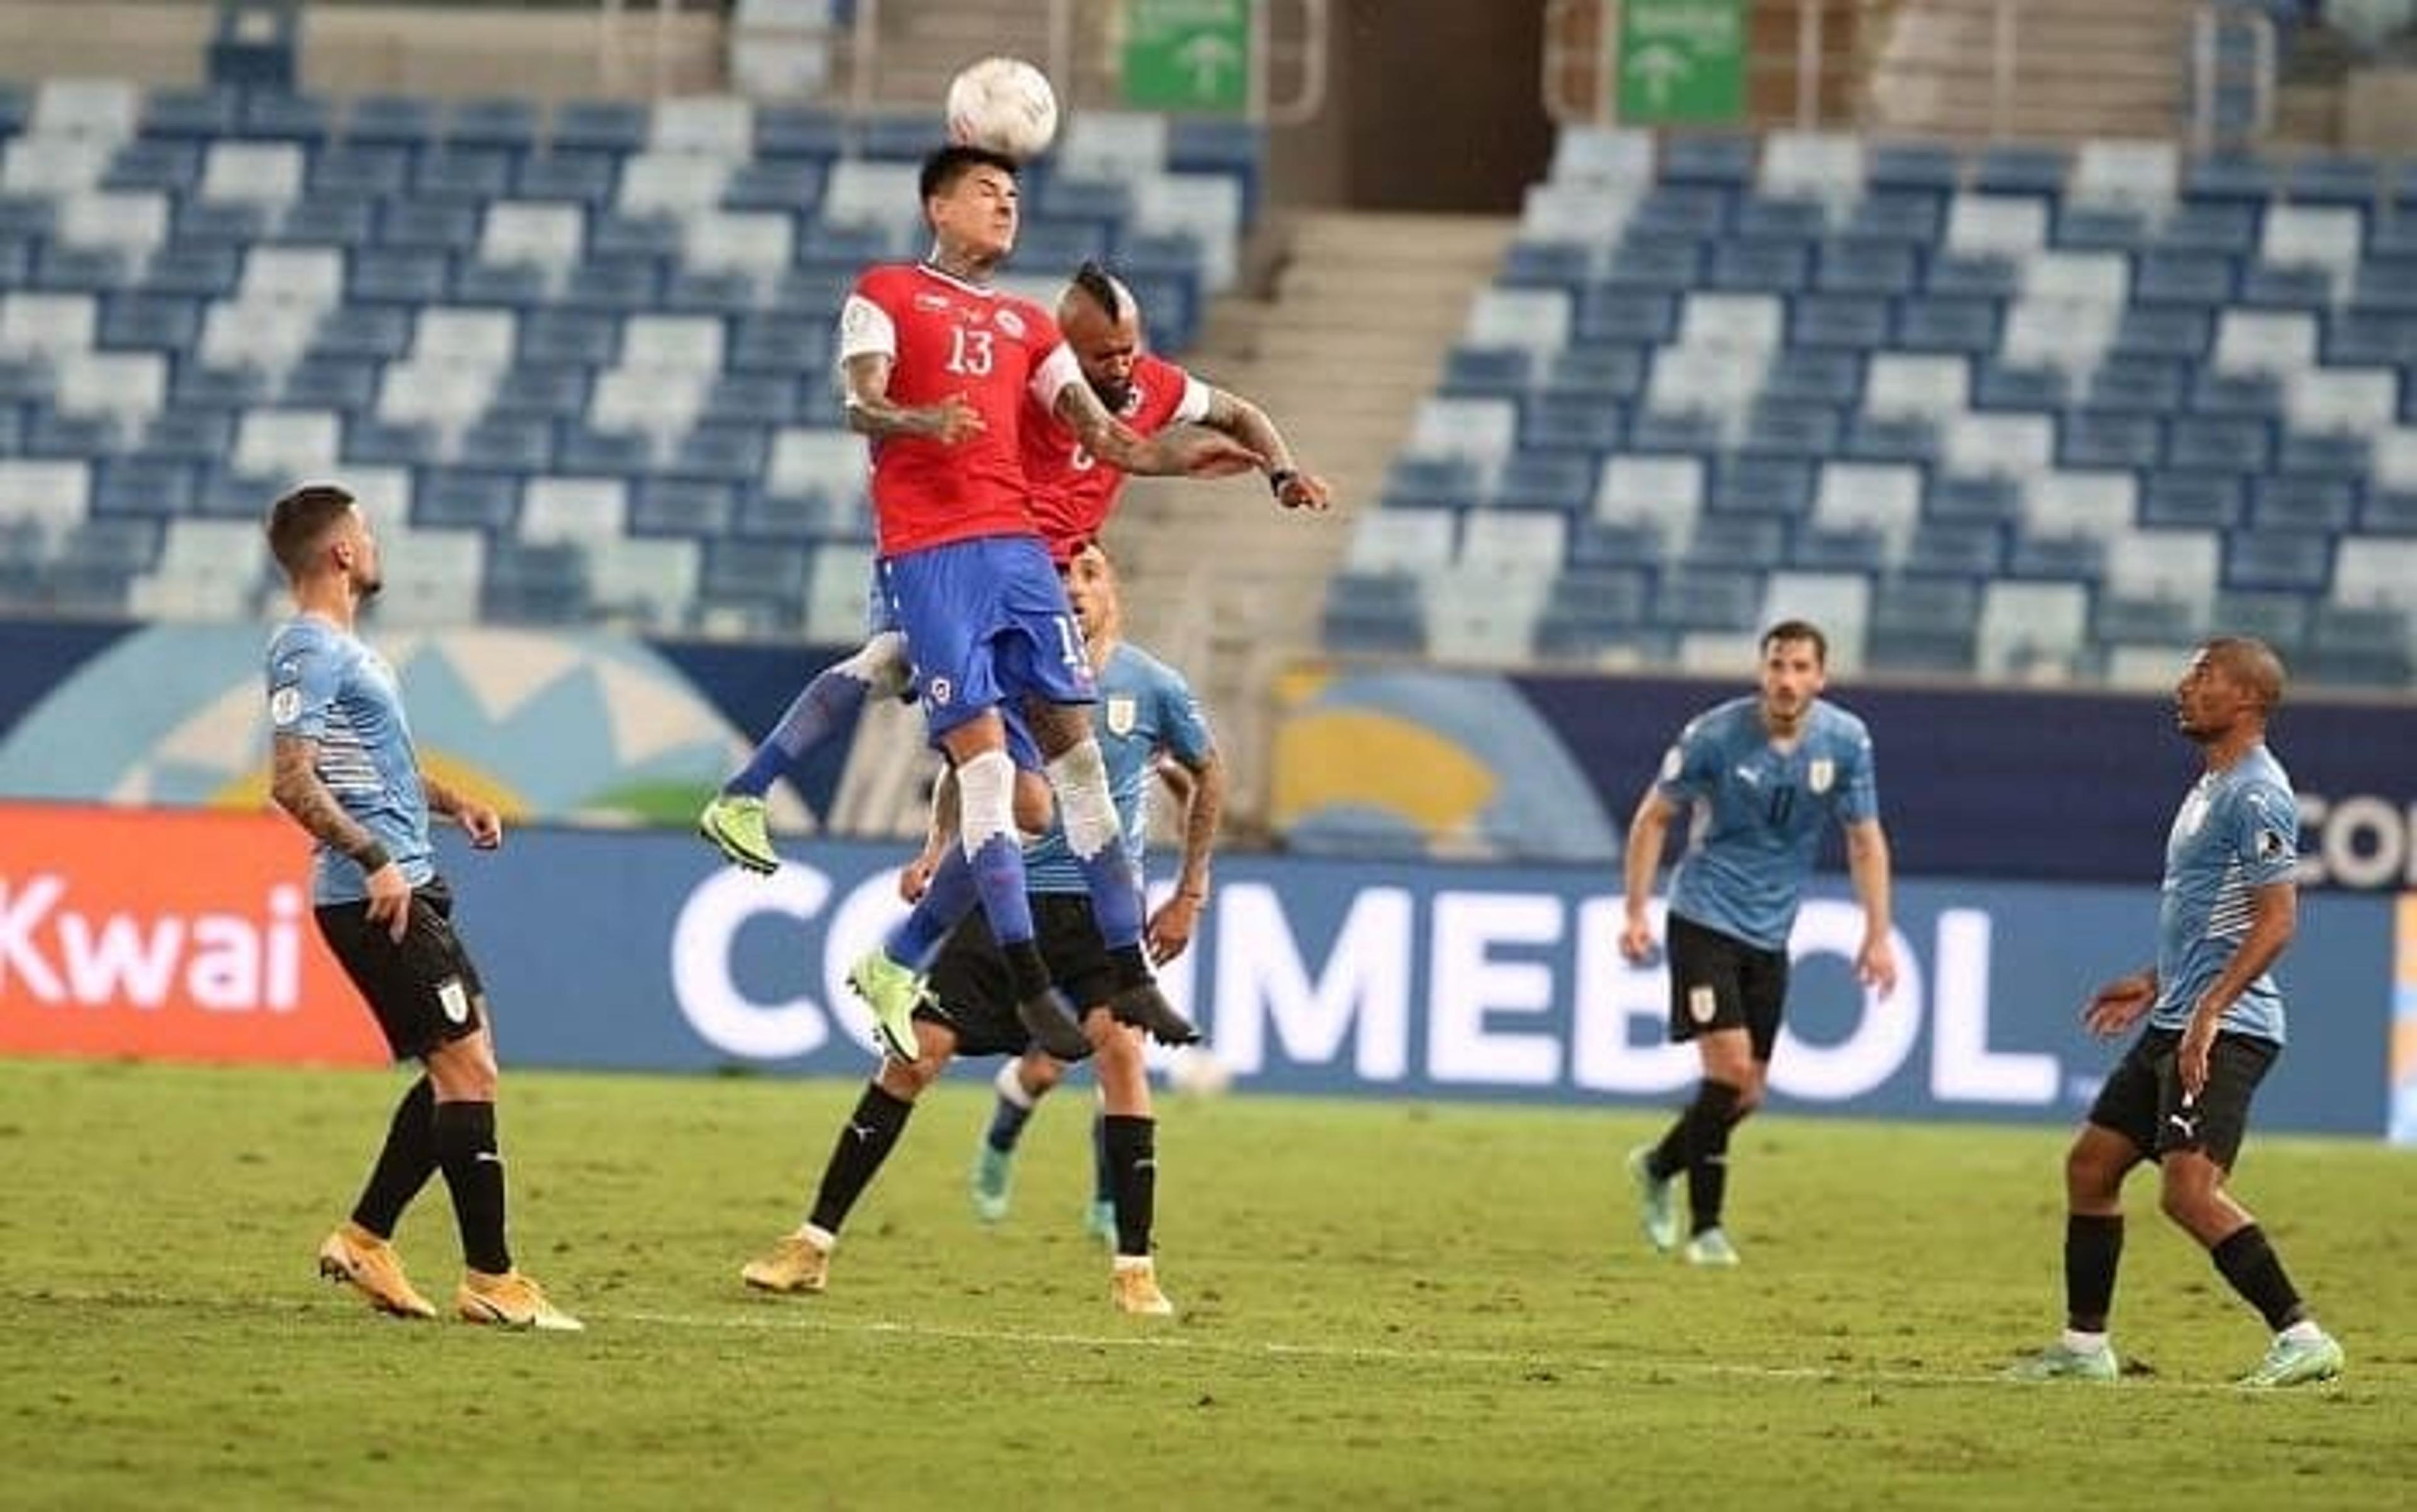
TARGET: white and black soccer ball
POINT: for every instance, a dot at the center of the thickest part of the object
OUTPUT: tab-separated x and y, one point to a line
1195	1071
1003	105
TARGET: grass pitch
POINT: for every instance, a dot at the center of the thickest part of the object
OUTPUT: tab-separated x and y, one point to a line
1385	1304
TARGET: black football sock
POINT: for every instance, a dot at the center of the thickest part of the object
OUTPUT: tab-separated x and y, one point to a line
1708	1173
2093	1247
870	1133
2250	1263
474	1172
405	1165
1133	1170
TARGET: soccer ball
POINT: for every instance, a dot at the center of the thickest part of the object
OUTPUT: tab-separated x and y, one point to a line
1195	1071
1003	105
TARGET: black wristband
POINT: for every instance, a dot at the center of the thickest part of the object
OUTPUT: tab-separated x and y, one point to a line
372	857
1278	479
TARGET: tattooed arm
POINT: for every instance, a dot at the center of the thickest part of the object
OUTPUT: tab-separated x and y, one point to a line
294	785
484	826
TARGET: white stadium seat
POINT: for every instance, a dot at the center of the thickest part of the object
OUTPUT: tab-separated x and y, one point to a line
704	126
1822	166
830	463
1885	496
477	338
543	236
1755	323
582	511
106	110
52	165
2180	565
1996	225
1120	146
46	325
1484	432
2006	446
663	184
2138	176
2351	400
671	343
2033	630
1414	541
1601	154
1667	492
1917	385
132	223
1594	214
1536	319
264	173
2100	505
2261	340
54	493
310	277
271	337
288	443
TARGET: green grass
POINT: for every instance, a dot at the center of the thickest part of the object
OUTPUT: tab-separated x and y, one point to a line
1386	1305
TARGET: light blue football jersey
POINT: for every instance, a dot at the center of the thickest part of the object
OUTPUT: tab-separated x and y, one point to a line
327	686
2238	830
1757	812
1145	708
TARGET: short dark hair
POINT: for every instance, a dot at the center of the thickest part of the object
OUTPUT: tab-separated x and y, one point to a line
2253	663
1787	629
1101	285
942	169
300	522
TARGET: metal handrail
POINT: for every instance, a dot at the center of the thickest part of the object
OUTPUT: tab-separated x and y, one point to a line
2209	76
1310	51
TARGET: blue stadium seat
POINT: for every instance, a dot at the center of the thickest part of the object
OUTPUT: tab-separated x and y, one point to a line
428	225
1740	542
703	291
1677	431
540	390
143	486
1719	159
2013	169
1559	481
329	220
393	275
1598	543
843	249
407	121
2126	619
2230	177
2334	458
2075	558
1822	376
1913	166
219	224
722	454
464	499
1681	214
25	381
2233	444
1998	386
1779	487
2358	645
770	575
373	330
62	269
193	115
2164	331
1554	265
2290	561
357	168
1897	438
694	508
370	441
1991	500
1849	322
2279	619
2299	288
1563	423
507	123
1634	316
1207	144
2140	385
758	398
2185	278
1969	275
2335	179
509	443
818	294
1481	371
1779	428
2203	227
899	137
324	380
12	430
1083	199
2101	437
1967	548
148	322
1762	266
611	126
2389	511
2358	336
787	343
2099	228
1668	265
24	215
1922	625
154	165
1591	612
53	434
799	132
285	117
533	583
2303	504
585	178
605	453
1431	483
1795	221
2248	396
1709	598
792	185
195	436
613	285
1374	614
2193	501
470	175
1854	266
1947	325
799	517
1916	219
508	285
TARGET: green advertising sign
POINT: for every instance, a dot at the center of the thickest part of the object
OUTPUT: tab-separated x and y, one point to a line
1681	62
1188	54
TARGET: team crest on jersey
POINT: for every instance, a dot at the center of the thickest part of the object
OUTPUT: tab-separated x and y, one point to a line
1820	773
1123	714
1012	323
939	690
931	301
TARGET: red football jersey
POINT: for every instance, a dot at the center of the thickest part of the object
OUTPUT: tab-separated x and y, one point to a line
944	337
1073	491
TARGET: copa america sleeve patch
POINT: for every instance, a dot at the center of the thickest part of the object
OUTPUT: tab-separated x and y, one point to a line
286	705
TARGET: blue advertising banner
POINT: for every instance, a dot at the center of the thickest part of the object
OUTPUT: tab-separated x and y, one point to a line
641	951
1973	782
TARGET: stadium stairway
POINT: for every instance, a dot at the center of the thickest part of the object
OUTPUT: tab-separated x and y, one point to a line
2083	69
1364	308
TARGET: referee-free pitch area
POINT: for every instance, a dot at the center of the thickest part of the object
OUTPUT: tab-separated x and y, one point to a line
1381	1304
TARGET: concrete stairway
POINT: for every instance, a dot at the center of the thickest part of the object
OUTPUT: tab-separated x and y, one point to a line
1217	578
2082	69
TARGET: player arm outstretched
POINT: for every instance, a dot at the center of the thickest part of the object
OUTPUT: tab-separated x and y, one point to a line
1199	783
1640	862
1251	425
1193	453
481	822
294	785
1867	866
